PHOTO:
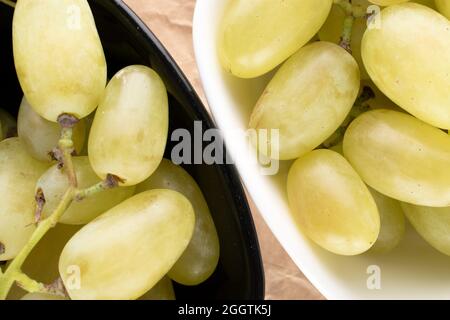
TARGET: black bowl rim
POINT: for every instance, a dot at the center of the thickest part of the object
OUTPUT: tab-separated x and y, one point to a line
229	171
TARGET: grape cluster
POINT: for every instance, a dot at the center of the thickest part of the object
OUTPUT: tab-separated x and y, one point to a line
363	113
89	209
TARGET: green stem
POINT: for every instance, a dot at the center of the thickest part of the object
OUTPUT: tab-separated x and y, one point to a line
110	182
8	3
66	147
352	12
14	273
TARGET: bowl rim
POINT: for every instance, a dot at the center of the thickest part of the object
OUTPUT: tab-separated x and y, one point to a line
229	171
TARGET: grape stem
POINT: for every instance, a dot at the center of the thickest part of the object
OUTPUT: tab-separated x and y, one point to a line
8	3
352	12
66	146
14	273
110	182
64	154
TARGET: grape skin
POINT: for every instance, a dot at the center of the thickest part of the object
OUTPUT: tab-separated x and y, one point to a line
129	132
444	7
163	290
314	90
58	56
139	240
392	223
54	183
41	136
200	259
331	203
419	83
433	224
18	175
256	36
401	157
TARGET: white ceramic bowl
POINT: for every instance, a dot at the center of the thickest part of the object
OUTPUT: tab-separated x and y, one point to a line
414	270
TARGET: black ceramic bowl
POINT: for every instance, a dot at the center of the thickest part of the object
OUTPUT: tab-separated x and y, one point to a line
126	40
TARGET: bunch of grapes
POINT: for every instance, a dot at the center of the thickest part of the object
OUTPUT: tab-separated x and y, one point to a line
363	113
89	209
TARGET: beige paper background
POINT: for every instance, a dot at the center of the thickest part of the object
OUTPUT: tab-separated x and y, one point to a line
171	21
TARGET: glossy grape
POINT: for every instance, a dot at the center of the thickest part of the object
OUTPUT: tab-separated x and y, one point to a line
313	91
126	251
257	35
418	82
433	224
130	128
331	203
58	56
401	157
200	259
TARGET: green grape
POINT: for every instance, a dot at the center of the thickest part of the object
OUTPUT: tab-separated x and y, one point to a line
58	56
18	175
41	136
54	183
331	203
42	263
41	296
401	157
257	35
433	224
387	2
200	259
428	3
130	128
9	125
126	251
332	31
418	82
444	7
163	290
392	223
307	99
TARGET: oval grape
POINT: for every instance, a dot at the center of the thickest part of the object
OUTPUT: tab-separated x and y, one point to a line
19	173
129	132
54	184
200	259
41	136
256	36
332	204
401	157
149	232
418	82
392	223
307	100
433	224
58	56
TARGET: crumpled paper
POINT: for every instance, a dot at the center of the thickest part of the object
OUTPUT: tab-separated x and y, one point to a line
171	21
